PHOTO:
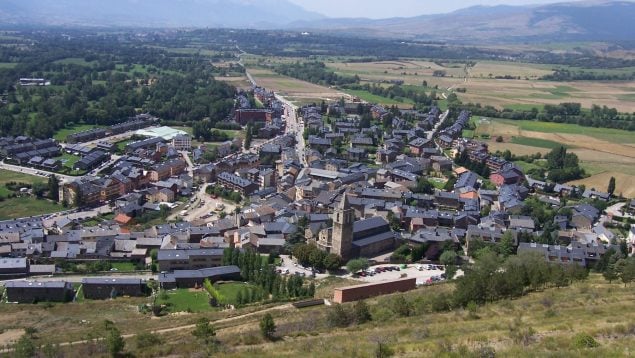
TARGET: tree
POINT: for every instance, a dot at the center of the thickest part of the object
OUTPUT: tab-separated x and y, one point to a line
338	316
448	259
248	136
115	342
356	265
54	188
332	262
506	245
611	186
204	331
611	272
267	326
24	347
361	312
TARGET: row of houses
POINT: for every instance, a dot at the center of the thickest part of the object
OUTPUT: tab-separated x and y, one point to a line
133	123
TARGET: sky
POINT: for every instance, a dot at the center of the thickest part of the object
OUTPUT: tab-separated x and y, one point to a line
405	8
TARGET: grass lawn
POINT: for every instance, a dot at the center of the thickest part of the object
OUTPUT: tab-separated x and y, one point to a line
124	266
526	166
184	299
7	65
537	142
438	182
7	176
26	206
230	290
68	160
61	134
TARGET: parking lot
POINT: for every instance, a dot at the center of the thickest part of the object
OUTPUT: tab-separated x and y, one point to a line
411	270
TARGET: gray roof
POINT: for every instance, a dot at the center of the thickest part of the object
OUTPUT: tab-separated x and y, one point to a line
13	263
112	281
370	223
185	254
29	284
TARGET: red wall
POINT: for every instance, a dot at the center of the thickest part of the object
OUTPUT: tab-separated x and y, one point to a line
360	292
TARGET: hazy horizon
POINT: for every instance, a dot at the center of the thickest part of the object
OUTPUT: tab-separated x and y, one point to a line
377	9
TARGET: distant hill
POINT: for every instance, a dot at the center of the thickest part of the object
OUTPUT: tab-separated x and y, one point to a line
154	13
577	21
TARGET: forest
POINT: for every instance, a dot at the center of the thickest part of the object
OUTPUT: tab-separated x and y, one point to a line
103	80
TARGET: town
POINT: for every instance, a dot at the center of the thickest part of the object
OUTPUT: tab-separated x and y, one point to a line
230	178
352	179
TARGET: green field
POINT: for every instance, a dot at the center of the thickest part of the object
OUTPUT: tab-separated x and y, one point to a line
61	134
125	266
559	92
26	206
369	97
537	142
136	68
608	134
74	61
8	65
68	160
184	300
7	176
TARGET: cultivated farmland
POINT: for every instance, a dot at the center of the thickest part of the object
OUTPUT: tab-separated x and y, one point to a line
603	152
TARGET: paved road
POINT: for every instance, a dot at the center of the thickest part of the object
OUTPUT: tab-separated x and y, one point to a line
616	210
50	220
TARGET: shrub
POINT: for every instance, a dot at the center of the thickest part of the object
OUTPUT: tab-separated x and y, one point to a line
401	306
584	340
361	313
267	326
338	316
147	339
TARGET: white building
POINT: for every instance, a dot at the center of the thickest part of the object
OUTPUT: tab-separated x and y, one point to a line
182	142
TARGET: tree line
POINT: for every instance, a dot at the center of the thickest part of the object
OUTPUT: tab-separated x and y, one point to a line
572	113
314	72
263	274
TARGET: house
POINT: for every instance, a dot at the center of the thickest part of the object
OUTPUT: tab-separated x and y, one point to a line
418	144
101	288
236	183
441	164
592	194
584	216
13	267
34	291
195	278
189	259
182	142
506	177
555	253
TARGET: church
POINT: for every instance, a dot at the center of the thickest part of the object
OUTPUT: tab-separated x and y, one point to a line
349	238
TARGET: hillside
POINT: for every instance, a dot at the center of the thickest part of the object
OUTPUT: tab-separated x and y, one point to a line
576	21
153	13
579	21
539	324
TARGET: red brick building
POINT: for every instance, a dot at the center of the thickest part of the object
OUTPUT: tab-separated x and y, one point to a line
244	116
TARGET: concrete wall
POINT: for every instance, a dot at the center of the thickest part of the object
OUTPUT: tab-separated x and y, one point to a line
360	292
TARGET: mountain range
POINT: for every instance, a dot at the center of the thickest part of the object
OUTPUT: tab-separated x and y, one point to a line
575	21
